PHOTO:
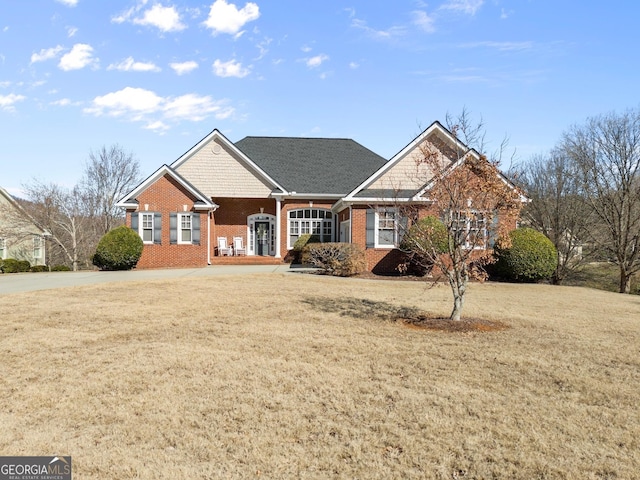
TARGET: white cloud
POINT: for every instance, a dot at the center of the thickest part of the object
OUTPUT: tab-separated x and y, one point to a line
305	48
502	46
46	54
229	69
80	56
166	19
130	65
182	68
226	18
68	3
7	102
158	127
63	102
316	61
158	113
194	107
469	7
388	34
354	65
71	31
424	21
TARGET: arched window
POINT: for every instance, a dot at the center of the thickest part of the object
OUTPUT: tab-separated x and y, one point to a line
314	221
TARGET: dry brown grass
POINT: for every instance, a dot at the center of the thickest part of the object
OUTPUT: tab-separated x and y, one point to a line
298	376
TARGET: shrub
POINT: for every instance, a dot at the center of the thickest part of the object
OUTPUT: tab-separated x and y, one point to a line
118	249
530	257
425	237
11	265
295	255
339	259
39	268
60	268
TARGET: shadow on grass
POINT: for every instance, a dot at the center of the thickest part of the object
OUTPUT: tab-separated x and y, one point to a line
412	317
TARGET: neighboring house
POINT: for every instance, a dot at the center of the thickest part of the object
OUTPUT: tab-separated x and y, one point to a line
270	190
20	237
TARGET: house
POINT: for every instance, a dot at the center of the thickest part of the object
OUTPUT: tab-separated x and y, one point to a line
270	190
20	237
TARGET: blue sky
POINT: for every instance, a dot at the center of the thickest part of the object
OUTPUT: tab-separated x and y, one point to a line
157	76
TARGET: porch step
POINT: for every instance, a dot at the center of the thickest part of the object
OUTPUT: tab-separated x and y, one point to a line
246	260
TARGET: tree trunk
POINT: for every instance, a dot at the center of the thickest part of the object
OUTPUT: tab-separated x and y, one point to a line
458	284
625	281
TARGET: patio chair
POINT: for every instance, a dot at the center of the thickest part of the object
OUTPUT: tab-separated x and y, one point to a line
223	248
238	246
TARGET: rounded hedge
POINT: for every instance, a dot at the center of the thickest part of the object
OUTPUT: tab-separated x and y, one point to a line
530	257
118	249
11	265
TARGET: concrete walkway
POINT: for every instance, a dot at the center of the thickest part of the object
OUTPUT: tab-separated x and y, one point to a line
28	282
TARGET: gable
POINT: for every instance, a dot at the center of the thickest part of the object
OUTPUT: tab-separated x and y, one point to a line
14	220
218	169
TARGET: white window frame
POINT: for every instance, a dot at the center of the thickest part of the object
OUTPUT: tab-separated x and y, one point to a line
323	226
3	248
468	218
181	229
379	219
37	247
142	228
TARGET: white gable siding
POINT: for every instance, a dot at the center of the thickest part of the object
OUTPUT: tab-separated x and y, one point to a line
216	172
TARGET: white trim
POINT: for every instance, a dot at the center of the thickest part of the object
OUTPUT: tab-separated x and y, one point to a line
141	228
322	222
179	228
154	177
251	221
376	237
278	227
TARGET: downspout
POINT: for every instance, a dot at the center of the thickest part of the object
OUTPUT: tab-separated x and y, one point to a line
209	237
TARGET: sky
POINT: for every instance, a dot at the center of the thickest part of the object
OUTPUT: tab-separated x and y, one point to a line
155	77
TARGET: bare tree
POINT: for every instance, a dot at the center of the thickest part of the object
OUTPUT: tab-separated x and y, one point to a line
606	151
474	203
63	212
109	174
557	207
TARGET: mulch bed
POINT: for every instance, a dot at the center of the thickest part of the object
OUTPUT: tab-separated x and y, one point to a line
465	325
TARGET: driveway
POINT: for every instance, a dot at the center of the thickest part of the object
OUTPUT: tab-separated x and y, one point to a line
28	282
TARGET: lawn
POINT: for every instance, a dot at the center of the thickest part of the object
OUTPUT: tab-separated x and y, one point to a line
302	376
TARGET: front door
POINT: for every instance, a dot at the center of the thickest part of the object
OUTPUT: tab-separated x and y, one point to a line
262	238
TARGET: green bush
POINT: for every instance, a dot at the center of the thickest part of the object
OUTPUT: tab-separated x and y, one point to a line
424	238
118	249
11	265
339	259
60	268
295	255
530	257
39	268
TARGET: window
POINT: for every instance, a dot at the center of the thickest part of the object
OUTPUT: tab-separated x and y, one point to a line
185	228
147	227
37	247
469	229
385	227
3	248
314	221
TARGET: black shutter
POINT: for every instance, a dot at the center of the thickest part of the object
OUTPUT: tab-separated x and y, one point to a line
371	228
157	228
173	228
195	225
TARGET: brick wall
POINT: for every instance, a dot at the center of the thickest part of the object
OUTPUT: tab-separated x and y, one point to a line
166	196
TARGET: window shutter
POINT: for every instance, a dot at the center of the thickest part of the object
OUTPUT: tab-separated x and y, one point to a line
157	228
493	229
195	229
173	228
134	221
371	228
403	225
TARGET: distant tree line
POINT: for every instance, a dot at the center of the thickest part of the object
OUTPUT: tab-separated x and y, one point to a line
585	195
78	216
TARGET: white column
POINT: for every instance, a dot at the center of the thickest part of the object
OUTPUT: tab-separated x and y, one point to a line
278	228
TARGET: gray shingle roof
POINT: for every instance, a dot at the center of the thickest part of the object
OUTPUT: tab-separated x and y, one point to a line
312	165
